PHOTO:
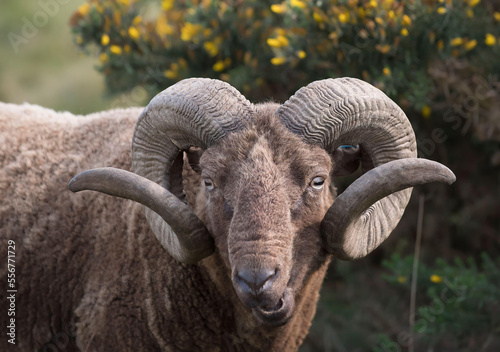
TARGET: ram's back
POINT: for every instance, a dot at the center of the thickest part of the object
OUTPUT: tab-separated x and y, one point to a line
55	232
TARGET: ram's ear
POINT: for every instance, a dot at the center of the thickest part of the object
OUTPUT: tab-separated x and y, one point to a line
346	160
193	156
185	173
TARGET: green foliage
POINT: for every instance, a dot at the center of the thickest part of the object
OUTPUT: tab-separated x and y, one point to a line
458	299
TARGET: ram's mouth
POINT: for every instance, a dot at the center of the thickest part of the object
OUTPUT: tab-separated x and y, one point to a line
278	315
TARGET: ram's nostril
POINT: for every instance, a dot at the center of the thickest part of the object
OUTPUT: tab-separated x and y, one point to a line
252	281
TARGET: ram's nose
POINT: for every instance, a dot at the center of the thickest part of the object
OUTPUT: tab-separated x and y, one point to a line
251	285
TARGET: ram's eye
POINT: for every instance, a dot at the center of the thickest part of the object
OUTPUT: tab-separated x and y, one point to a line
317	182
209	184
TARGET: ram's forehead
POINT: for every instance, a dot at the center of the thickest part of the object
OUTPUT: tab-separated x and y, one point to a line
266	132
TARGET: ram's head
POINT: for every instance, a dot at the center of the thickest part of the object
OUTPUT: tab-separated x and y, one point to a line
267	194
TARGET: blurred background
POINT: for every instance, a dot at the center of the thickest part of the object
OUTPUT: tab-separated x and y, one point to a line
40	64
438	59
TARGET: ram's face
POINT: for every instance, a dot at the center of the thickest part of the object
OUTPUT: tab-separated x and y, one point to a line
267	193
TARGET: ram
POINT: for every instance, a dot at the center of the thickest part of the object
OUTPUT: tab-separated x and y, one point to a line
238	223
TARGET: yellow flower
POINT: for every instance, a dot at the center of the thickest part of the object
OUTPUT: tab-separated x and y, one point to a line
162	27
470	45
490	39
361	12
373	3
207	32
401	279
84	9
384	49
272	42
183	63
298	3
278	42
379	20
436	279
105	39
171	74
406	21
301	54
404	32
79	40
497	16
426	113
278	61
456	41
211	48
344	17
115	49
441	10
167	4
278	8
473	3
387	71
137	20
469	13
219	66
189	30
317	17
133	33
283	40
103	57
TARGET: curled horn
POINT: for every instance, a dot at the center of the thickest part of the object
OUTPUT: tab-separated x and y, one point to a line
194	112
348	111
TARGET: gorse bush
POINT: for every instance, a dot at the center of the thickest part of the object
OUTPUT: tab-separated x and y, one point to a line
267	49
